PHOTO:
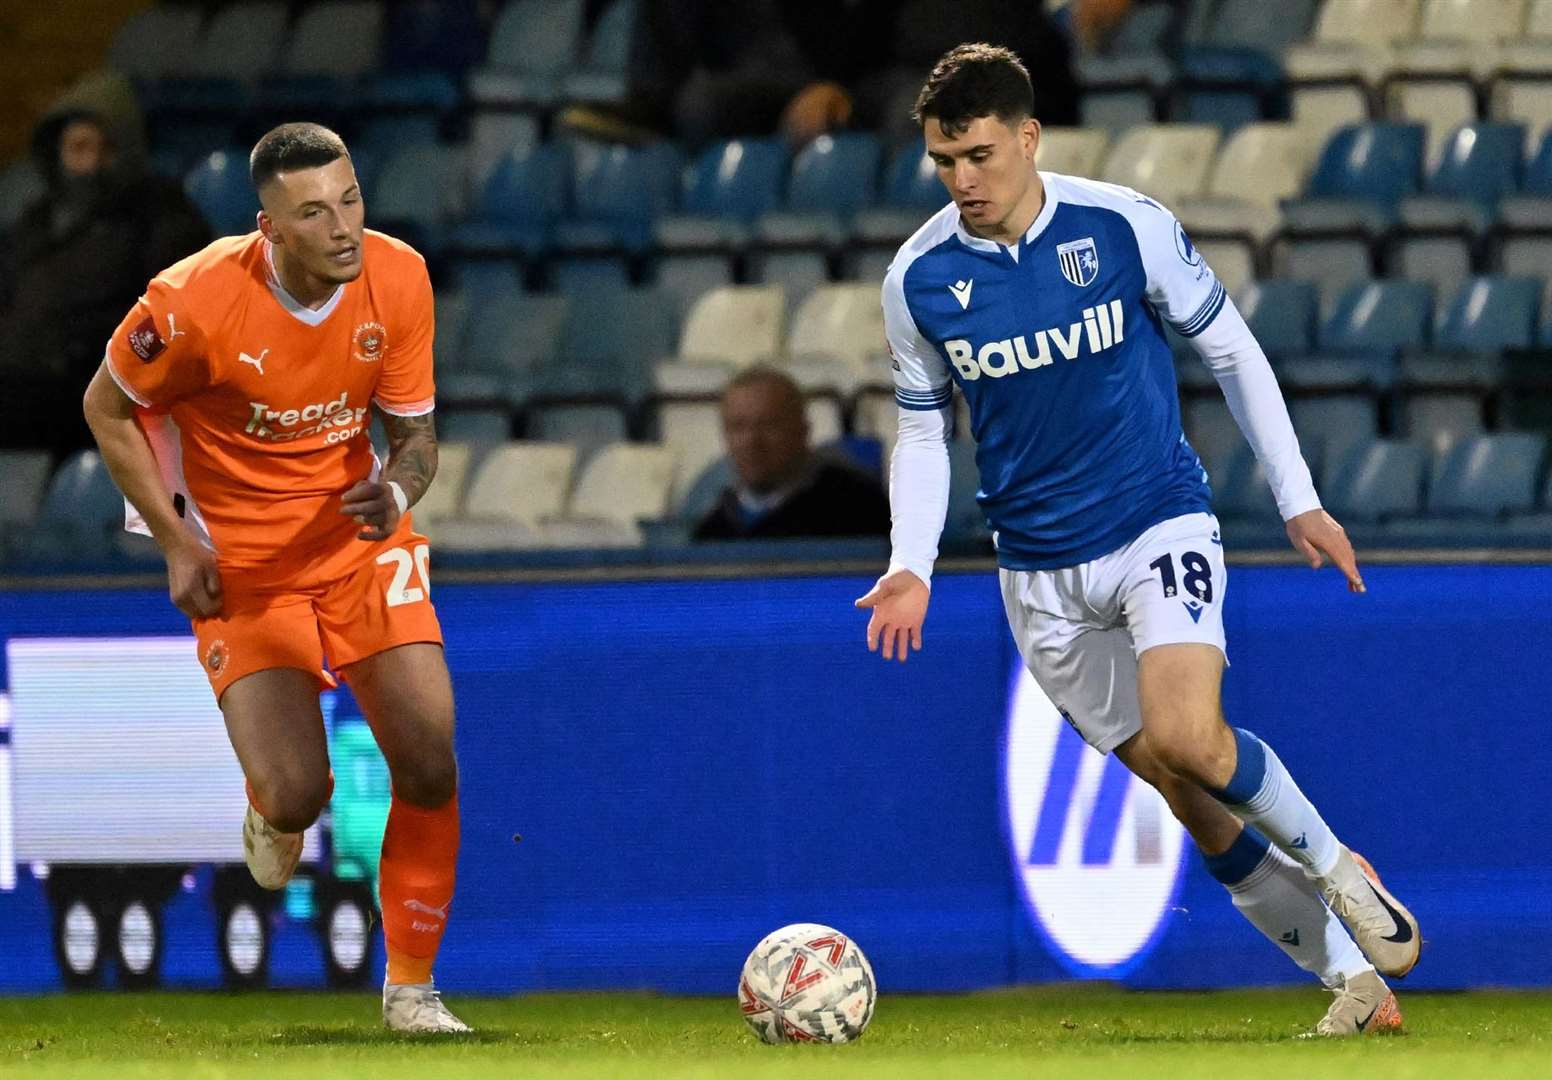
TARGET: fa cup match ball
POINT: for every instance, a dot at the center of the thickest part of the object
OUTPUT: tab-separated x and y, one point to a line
807	983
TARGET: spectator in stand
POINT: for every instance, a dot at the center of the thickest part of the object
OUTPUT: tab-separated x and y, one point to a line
781	487
77	258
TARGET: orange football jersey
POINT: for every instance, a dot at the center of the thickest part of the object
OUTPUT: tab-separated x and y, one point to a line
257	408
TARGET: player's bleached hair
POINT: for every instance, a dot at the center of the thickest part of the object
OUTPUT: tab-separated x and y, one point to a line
293	146
975	80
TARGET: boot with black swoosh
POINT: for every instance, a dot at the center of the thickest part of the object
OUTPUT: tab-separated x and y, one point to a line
1364	1005
1385	930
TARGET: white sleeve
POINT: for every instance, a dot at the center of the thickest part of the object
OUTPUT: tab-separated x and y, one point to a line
919	467
1181	286
1230	351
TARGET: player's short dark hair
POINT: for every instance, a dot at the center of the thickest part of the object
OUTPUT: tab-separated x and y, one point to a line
975	80
293	146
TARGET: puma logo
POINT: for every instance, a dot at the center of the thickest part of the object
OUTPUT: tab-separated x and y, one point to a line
427	909
172	327
256	361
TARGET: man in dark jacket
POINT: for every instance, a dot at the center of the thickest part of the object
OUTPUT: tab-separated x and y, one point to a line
782	488
77	259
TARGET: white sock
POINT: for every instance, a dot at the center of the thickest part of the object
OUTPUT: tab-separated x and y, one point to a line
1273	892
1261	793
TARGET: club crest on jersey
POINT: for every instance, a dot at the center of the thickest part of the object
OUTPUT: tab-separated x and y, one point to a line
1080	261
368	341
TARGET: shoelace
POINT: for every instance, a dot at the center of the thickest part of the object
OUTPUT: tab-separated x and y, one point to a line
430	1002
1371	916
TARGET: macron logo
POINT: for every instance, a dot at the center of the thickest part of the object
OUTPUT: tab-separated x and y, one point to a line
961	291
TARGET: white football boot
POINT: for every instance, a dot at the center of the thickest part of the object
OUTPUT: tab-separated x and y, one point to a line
417	1007
1364	1005
271	855
1385	930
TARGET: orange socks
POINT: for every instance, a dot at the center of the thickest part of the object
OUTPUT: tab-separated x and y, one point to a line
416	873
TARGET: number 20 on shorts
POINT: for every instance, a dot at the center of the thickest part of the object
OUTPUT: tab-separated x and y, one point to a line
416	561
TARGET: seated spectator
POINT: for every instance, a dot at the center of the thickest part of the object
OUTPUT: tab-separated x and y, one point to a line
782	488
75	261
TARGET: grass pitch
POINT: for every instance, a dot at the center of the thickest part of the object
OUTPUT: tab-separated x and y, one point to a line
1092	1031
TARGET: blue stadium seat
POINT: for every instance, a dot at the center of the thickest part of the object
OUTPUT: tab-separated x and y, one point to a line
684	277
1538	171
1243	24
1481	162
616	193
480	426
911	181
1488	475
1376	479
417	191
1375	162
737	178
337	38
1281	315
443	36
522	198
602	74
1329	424
835	174
220	188
1491	313
81	515
589	426
532	45
1240	490
481	279
1379	315
502	346
609	343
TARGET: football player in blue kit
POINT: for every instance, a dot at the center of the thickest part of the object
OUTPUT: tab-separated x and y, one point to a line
1043	298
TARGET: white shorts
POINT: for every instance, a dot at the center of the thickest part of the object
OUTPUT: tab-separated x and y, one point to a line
1081	630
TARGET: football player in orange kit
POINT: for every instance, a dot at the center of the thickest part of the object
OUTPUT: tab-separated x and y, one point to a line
232	409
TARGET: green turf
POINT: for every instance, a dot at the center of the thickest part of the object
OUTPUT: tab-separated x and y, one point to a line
1088	1031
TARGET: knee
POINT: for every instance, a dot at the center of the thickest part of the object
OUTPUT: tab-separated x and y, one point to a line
1206	759
291	801
428	781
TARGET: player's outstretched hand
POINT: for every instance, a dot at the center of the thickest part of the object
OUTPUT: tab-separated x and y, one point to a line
371	503
193	582
1316	533
899	604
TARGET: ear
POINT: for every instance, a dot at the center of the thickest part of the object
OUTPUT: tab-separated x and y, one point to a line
267	227
1029	138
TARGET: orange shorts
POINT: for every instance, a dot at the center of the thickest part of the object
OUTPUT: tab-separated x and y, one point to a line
385	602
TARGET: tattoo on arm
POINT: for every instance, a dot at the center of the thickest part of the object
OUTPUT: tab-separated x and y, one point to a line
412	453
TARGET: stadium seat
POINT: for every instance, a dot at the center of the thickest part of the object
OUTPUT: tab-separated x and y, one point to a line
81	514
601	75
419	190
220	188
502	346
533	43
911	193
1281	315
964	519
23	478
241	42
725	189
1440	400
524	195
737	326
1211	430
1480	161
692	429
493	134
1243	24
1488	475
155	42
340	39
20	187
1376	479
517	485
1489	314
832	178
611	340
1375	162
616	193
1379	315
473	427
1262	164
1073	151
1469	20
1538	170
443	38
1523	238
444	498
1116	109
1329	424
587	426
620	487
684	277
1167	162
1333	263
843	324
1240	490
1352	48
1521	89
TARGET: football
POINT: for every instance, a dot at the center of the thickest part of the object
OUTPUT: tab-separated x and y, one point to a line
807	983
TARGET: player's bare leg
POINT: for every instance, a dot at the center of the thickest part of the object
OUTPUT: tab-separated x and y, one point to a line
407	697
1273	894
276	728
1178	692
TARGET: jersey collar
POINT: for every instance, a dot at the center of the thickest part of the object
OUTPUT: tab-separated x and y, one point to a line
298	310
1031	234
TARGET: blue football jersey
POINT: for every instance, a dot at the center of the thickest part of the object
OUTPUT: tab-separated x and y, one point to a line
1058	347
